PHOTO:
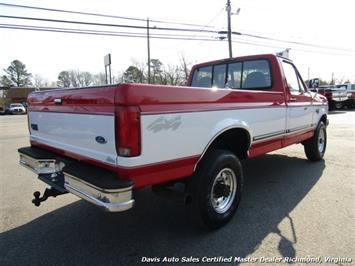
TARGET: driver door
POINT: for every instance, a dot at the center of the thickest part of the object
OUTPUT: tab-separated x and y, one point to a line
299	103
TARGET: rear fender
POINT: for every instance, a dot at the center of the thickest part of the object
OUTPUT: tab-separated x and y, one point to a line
222	127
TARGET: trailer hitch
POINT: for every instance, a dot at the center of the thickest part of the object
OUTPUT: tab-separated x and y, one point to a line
49	192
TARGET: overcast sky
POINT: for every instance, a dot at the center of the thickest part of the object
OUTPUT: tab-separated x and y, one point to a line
325	23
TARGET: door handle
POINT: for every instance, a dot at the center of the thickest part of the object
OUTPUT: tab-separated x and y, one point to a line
292	99
58	101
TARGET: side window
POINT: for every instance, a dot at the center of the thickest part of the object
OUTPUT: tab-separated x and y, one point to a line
234	76
256	74
302	87
252	74
202	77
219	76
291	77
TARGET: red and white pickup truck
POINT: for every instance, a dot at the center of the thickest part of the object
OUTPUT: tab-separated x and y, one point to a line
103	143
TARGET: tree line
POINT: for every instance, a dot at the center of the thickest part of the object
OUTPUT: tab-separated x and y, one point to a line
16	75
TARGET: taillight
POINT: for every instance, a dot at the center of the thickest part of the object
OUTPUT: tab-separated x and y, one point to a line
128	136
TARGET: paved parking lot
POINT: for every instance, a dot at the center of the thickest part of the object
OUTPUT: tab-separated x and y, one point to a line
290	208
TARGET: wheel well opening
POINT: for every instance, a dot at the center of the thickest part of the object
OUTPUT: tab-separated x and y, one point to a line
236	140
324	119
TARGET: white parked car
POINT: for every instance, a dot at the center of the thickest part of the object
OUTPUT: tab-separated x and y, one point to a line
17	108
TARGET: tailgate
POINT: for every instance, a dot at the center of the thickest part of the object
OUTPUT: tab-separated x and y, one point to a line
80	122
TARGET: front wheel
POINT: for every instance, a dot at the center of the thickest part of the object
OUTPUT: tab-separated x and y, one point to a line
315	146
214	191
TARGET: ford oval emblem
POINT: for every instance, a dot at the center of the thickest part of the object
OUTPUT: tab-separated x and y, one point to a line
100	140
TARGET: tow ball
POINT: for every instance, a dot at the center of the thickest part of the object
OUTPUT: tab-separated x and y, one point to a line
49	192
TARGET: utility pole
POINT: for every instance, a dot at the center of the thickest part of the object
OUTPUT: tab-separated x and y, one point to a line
148	46
228	9
107	60
109	68
332	78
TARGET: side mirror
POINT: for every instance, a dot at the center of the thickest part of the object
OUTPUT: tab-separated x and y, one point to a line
313	83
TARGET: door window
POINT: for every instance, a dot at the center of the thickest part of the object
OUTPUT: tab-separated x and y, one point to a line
293	82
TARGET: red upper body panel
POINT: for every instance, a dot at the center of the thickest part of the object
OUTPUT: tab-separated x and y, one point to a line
156	99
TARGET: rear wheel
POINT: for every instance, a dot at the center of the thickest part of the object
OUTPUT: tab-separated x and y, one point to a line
214	191
315	147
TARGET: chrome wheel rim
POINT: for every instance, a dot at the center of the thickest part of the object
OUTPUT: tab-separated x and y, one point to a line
321	140
223	190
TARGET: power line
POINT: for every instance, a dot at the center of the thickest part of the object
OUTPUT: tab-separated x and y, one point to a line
173	29
286	41
162	21
103	33
106	24
293	42
98	14
100	31
143	35
209	22
242	41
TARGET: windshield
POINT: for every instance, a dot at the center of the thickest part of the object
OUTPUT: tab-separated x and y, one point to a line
16	105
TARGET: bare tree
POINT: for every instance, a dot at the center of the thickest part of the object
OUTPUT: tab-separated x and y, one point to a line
186	68
99	79
38	81
141	67
86	79
173	75
75	78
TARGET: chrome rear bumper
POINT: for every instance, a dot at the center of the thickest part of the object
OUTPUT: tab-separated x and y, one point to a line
93	184
41	166
113	200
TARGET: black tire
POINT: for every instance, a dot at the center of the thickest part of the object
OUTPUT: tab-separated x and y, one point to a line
209	185
315	147
330	106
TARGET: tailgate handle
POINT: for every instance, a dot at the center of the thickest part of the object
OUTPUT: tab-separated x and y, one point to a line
58	101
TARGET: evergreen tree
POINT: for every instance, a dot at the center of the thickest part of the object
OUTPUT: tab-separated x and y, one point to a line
16	75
